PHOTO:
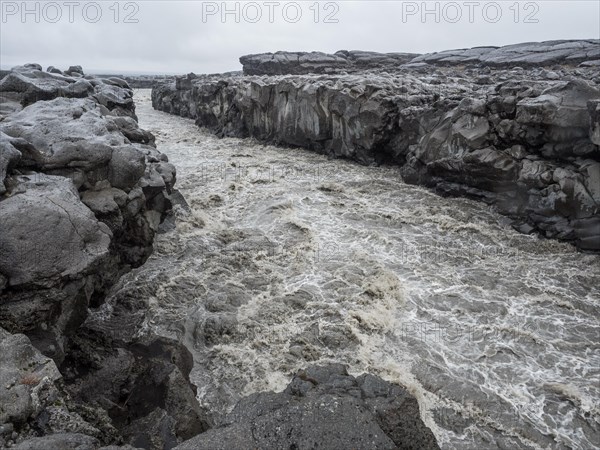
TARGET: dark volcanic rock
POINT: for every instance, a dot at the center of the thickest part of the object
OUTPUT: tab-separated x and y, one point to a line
29	84
35	403
54	253
22	369
83	192
530	54
9	157
295	63
323	407
61	441
141	81
301	63
36	85
525	140
75	140
143	384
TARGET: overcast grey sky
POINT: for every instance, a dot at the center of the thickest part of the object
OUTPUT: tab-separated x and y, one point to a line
194	36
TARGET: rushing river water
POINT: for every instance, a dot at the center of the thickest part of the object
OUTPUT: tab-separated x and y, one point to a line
287	258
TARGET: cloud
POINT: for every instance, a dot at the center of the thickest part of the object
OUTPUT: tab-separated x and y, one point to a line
172	37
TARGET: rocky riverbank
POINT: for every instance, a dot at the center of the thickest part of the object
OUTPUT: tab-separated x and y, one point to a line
516	127
83	193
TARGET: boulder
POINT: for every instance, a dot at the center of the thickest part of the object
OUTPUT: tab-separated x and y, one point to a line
53	252
115	98
52	69
323	407
561	111
126	167
143	384
73	70
22	369
33	85
68	134
33	400
60	441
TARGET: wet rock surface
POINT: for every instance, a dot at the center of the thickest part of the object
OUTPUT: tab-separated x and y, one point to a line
501	130
325	407
83	193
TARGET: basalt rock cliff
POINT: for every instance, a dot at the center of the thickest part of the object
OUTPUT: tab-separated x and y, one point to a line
517	127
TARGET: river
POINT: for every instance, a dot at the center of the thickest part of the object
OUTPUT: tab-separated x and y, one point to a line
287	258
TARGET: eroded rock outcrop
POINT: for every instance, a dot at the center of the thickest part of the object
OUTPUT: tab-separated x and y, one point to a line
34	401
524	140
323	407
83	193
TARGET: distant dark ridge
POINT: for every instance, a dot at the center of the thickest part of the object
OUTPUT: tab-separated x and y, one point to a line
141	81
529	54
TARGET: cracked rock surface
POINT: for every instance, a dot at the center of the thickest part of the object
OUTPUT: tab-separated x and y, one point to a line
516	127
324	407
83	191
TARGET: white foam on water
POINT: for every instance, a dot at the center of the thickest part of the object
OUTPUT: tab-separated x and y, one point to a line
317	260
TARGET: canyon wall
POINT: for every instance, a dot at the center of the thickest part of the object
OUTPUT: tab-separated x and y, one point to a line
83	193
524	140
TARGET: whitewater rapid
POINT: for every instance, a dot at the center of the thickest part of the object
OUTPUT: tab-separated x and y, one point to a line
286	258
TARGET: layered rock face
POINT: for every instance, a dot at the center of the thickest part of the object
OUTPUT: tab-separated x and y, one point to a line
524	140
529	54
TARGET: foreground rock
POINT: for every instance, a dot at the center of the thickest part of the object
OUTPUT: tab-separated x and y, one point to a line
323	407
34	401
143	385
29	84
524	140
112	389
83	191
